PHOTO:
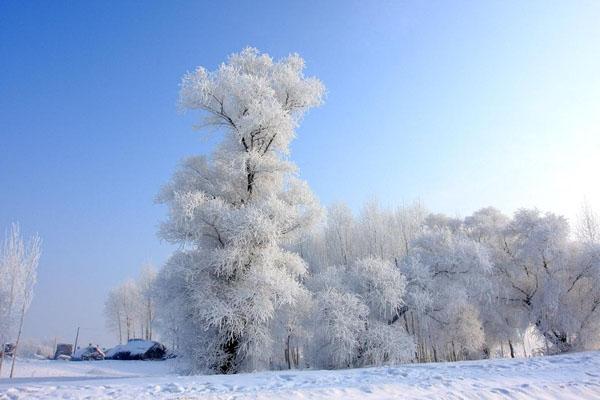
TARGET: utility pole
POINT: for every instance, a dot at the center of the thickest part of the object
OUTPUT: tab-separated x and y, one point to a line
76	339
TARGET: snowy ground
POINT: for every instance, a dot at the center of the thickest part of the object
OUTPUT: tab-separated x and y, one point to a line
574	376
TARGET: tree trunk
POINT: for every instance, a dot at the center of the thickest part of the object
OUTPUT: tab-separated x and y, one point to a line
76	340
149	319
512	349
120	328
1	353
288	356
560	340
230	348
454	352
14	357
486	352
296	358
8	315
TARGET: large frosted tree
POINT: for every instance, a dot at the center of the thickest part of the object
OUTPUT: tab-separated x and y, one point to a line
235	212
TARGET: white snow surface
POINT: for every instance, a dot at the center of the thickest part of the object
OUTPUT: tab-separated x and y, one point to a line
571	376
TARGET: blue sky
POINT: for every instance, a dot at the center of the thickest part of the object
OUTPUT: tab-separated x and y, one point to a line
458	104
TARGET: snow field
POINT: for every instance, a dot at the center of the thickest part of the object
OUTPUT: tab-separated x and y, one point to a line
572	376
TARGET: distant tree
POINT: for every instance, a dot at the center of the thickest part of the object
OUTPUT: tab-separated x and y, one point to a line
588	225
113	313
145	284
130	308
18	274
124	311
169	293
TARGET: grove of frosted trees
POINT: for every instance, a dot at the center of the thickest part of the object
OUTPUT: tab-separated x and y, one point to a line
130	308
263	278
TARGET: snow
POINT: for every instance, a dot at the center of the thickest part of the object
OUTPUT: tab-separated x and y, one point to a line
31	370
572	376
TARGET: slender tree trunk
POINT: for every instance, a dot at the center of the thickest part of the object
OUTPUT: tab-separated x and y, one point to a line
1	353
454	352
8	316
288	356
486	351
149	323
120	328
296	357
512	349
14	357
76	340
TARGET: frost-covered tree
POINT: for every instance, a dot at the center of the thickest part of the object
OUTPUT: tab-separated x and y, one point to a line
535	257
124	311
235	212
375	232
448	274
145	283
588	225
579	316
130	308
113	313
340	323
170	294
542	279
356	310
18	274
338	235
501	323
291	333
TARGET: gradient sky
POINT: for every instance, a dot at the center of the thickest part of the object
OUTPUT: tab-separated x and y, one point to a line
459	104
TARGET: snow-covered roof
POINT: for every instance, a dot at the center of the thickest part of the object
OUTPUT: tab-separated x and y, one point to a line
133	347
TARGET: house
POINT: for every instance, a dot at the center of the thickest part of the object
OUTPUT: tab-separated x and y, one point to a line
137	349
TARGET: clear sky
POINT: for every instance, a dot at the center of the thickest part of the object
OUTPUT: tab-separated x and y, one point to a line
459	104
